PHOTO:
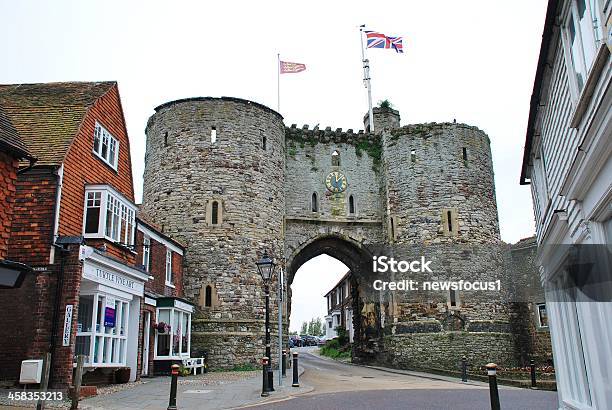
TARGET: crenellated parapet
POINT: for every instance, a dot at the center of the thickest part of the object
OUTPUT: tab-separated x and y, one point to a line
327	135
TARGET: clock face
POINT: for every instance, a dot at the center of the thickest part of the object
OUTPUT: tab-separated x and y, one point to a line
336	182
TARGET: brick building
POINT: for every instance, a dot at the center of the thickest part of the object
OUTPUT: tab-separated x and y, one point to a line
162	258
75	224
340	308
12	150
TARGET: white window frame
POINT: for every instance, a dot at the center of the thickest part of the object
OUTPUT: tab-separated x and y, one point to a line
540	325
573	60
172	354
122	215
102	137
104	348
146	252
169	278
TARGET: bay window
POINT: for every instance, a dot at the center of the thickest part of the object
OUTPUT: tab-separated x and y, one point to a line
108	214
102	330
172	334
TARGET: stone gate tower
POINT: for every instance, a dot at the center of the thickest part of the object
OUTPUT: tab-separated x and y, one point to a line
230	180
214	178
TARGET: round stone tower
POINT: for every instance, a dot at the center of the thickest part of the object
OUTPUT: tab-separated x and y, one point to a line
440	184
214	180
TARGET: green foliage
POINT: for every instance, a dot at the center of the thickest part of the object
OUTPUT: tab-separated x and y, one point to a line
334	350
343	338
292	151
315	327
373	148
183	371
304	328
385	104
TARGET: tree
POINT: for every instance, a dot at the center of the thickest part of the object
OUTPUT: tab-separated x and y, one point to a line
304	329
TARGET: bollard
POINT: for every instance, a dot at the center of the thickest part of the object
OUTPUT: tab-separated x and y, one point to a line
172	401
295	371
464	369
284	364
270	377
493	392
533	374
264	378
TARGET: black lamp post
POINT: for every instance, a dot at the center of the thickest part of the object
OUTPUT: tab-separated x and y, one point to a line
266	266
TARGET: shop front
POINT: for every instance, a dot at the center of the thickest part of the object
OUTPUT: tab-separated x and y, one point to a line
108	318
172	332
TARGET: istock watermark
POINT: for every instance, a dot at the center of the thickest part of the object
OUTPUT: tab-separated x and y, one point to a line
383	264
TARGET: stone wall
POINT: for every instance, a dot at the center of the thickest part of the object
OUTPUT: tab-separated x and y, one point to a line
443	351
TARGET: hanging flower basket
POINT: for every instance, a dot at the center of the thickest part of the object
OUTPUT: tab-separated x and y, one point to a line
162	328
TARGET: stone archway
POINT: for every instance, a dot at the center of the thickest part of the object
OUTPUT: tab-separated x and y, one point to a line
366	311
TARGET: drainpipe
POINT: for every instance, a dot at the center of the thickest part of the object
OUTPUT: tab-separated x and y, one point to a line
60	275
56	307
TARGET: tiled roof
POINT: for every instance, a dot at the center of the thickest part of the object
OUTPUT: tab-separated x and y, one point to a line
47	116
9	137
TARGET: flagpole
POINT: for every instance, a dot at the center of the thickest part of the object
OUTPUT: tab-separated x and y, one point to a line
366	79
278	82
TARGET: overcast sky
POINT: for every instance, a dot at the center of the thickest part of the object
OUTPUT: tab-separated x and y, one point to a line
473	61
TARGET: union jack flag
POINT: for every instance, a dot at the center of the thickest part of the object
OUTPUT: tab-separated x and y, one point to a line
379	40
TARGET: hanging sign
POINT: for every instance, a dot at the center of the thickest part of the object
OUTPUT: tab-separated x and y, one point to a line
67	326
109	312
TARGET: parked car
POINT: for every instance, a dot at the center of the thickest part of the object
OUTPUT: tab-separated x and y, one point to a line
295	340
308	340
321	340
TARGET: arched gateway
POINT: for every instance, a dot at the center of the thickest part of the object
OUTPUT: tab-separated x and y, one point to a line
230	180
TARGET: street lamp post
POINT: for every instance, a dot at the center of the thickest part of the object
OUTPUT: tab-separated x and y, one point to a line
266	266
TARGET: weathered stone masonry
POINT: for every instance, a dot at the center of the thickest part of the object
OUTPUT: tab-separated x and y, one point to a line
417	189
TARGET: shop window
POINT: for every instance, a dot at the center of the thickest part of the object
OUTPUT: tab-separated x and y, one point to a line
169	277
542	315
146	252
351	205
106	147
314	203
102	330
172	334
108	215
335	159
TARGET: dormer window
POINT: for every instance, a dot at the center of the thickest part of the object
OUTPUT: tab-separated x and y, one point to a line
106	147
108	214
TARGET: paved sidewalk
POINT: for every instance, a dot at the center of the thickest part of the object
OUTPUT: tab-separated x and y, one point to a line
194	393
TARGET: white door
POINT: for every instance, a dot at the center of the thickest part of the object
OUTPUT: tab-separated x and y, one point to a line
145	344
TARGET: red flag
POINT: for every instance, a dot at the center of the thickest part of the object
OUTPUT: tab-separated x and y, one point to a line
287	67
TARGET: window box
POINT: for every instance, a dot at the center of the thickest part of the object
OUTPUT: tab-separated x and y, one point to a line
109	215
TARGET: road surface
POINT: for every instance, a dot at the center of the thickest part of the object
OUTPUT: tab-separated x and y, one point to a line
342	386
